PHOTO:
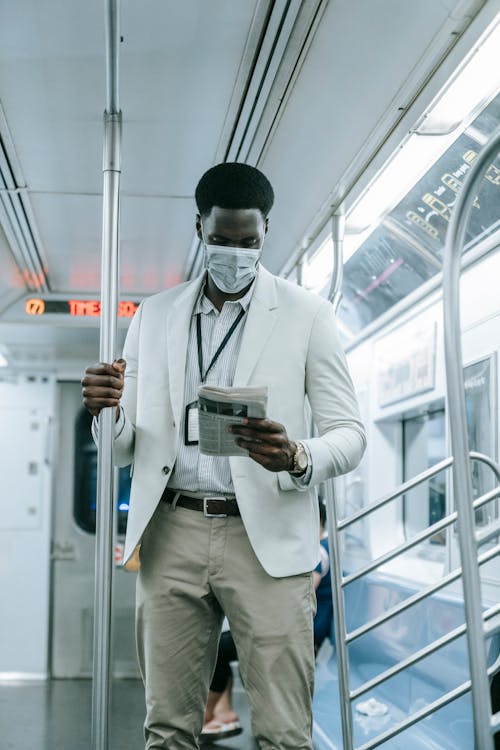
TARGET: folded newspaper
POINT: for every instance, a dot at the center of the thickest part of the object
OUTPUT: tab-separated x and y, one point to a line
220	407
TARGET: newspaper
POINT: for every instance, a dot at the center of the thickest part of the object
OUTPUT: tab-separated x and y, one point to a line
220	407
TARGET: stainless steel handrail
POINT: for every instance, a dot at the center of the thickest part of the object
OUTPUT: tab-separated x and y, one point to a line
338	228
418	597
420	537
414	718
405	487
462	485
339	621
109	305
488	534
343	638
341	634
422	653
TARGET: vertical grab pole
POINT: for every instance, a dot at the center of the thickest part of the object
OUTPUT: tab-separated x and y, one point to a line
109	304
462	485
339	621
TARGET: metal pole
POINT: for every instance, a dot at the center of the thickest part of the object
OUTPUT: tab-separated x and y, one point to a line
109	304
462	484
338	228
339	622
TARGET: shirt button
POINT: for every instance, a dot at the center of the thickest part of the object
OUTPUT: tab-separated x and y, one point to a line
166	469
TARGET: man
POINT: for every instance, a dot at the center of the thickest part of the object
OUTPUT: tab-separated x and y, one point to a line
248	553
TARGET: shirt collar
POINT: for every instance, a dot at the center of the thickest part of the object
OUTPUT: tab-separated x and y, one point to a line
205	306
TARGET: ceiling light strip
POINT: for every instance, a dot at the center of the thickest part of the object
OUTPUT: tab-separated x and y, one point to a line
15	237
273	48
276	39
18	219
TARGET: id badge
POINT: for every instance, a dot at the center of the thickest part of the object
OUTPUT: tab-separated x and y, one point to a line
191	435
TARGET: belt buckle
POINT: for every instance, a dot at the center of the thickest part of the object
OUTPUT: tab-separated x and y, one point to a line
205	507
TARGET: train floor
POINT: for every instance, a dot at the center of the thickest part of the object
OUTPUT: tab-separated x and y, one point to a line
55	715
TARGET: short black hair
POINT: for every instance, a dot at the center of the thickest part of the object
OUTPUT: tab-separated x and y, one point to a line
234	185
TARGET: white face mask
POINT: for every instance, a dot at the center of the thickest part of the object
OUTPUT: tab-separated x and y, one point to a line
231	268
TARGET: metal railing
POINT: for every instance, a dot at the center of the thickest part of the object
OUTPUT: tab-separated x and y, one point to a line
478	625
343	638
462	484
109	305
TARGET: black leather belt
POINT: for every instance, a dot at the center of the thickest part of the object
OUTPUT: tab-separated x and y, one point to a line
211	506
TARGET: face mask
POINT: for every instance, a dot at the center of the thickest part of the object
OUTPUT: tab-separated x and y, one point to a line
231	268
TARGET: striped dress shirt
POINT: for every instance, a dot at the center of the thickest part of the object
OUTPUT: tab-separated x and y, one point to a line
194	471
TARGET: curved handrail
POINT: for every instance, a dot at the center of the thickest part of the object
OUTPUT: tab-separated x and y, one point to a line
414	482
338	227
459	444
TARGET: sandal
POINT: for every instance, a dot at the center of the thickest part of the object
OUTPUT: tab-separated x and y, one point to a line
219	730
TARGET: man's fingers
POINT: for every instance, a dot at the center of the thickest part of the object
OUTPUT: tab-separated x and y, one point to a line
258	425
102	381
102	368
94	392
100	403
260	436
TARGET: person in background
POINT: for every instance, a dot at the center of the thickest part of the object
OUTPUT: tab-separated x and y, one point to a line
221	720
322	581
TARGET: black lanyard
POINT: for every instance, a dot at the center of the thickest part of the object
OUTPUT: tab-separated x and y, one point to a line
221	347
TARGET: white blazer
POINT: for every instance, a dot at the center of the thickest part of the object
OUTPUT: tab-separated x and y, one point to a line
290	344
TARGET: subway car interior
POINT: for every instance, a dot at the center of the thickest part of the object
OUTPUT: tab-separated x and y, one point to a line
370	118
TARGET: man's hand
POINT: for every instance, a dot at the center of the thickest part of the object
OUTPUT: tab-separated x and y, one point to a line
267	443
102	385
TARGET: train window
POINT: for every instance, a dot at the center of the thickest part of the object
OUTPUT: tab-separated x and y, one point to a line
406	249
424	444
85	476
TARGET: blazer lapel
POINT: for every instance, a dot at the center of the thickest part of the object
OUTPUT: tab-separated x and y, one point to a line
262	317
178	322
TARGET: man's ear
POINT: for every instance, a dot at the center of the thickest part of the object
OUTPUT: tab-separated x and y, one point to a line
266	226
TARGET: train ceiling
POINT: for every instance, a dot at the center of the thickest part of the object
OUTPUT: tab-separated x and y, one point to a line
312	92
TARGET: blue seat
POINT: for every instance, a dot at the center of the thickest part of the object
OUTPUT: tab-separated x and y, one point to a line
450	728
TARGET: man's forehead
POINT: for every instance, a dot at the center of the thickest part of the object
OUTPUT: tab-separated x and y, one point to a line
240	219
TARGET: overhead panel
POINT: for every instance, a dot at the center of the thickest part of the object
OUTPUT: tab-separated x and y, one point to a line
52	90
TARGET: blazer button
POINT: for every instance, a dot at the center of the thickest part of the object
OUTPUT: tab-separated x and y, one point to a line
166	469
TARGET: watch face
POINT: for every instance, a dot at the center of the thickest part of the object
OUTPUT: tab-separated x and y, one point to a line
301	459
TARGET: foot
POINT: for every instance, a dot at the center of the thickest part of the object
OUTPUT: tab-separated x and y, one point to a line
218	730
226	716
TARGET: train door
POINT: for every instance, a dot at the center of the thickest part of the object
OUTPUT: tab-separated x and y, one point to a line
26	413
73	552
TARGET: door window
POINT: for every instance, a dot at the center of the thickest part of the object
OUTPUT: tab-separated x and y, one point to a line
85	484
424	444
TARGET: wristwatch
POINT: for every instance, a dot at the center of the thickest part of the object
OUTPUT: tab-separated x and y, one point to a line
300	460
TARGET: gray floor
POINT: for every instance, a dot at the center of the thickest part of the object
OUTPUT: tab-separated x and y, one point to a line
55	715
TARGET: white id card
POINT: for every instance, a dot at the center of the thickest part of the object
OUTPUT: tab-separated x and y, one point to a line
191	432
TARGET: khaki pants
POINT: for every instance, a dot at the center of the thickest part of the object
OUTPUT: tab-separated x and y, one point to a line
194	569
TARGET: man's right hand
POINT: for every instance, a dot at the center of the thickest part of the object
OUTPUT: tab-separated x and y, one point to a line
102	385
